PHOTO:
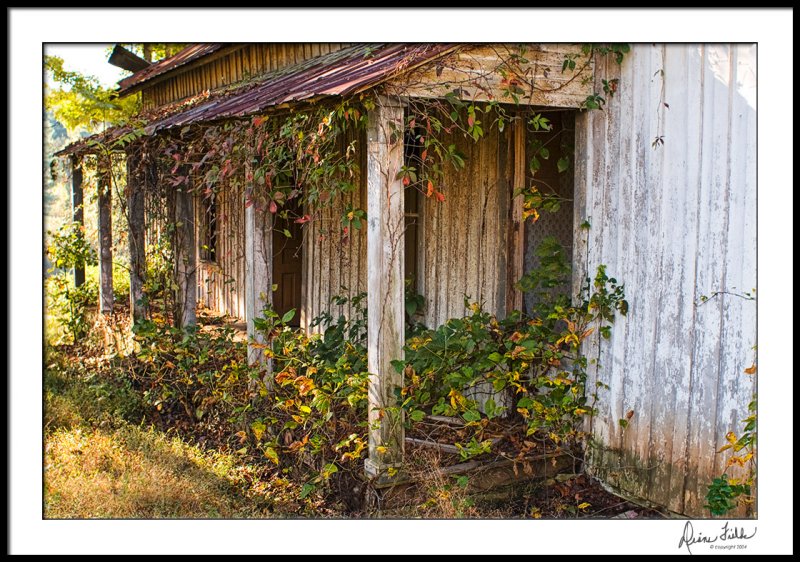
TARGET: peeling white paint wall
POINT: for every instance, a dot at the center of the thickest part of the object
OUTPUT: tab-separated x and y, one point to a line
673	221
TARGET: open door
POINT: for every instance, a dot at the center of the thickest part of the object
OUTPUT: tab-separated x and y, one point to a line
287	269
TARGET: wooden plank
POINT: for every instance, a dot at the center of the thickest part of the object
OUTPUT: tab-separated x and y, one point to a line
137	265
185	264
106	302
516	225
464	69
505	159
468	234
490	277
386	316
77	206
672	367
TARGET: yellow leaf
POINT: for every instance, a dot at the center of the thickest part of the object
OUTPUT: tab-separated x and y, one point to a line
381	449
730	437
725	447
271	454
751	370
584	505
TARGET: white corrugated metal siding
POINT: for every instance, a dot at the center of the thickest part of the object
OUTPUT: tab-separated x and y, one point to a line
673	222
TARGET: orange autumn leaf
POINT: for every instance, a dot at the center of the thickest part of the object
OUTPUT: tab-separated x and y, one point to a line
440	197
751	370
430	189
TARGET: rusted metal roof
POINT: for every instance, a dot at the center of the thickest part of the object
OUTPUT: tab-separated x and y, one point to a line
187	55
340	73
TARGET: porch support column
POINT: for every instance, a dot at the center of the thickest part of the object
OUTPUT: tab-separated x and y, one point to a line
185	259
135	195
258	277
104	236
385	310
77	207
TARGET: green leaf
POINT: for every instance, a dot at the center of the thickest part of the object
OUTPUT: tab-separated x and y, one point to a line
563	164
286	233
495	357
307	489
417	415
288	316
471	415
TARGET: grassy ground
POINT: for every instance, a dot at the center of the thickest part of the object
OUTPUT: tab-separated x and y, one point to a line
100	462
105	458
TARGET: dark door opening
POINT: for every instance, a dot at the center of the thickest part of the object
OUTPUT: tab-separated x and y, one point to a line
287	263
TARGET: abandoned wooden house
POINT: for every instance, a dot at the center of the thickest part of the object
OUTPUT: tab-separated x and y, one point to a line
657	158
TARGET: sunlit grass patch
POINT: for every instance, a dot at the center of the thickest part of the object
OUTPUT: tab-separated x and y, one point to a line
131	472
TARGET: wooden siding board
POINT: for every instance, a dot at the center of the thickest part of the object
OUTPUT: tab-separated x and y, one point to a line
687	208
736	388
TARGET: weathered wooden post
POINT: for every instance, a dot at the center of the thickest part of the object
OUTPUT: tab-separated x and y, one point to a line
77	207
185	259
135	193
104	235
385	309
258	276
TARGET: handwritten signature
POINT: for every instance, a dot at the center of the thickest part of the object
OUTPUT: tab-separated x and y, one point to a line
728	534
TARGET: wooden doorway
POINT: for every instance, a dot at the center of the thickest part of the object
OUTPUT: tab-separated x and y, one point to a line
287	264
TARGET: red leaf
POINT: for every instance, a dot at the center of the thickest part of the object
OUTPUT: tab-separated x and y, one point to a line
304	219
257	121
440	197
412	123
424	155
247	203
430	189
471	120
273	207
406	180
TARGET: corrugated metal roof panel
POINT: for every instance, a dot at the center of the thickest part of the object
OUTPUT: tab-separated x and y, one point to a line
187	55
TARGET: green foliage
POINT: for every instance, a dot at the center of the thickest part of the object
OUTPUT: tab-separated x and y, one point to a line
726	493
536	360
68	308
317	424
69	248
723	494
66	304
80	102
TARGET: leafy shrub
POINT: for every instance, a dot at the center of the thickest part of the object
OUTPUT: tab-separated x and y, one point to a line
68	305
533	363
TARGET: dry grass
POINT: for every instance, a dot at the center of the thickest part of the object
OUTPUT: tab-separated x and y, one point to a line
133	473
99	463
